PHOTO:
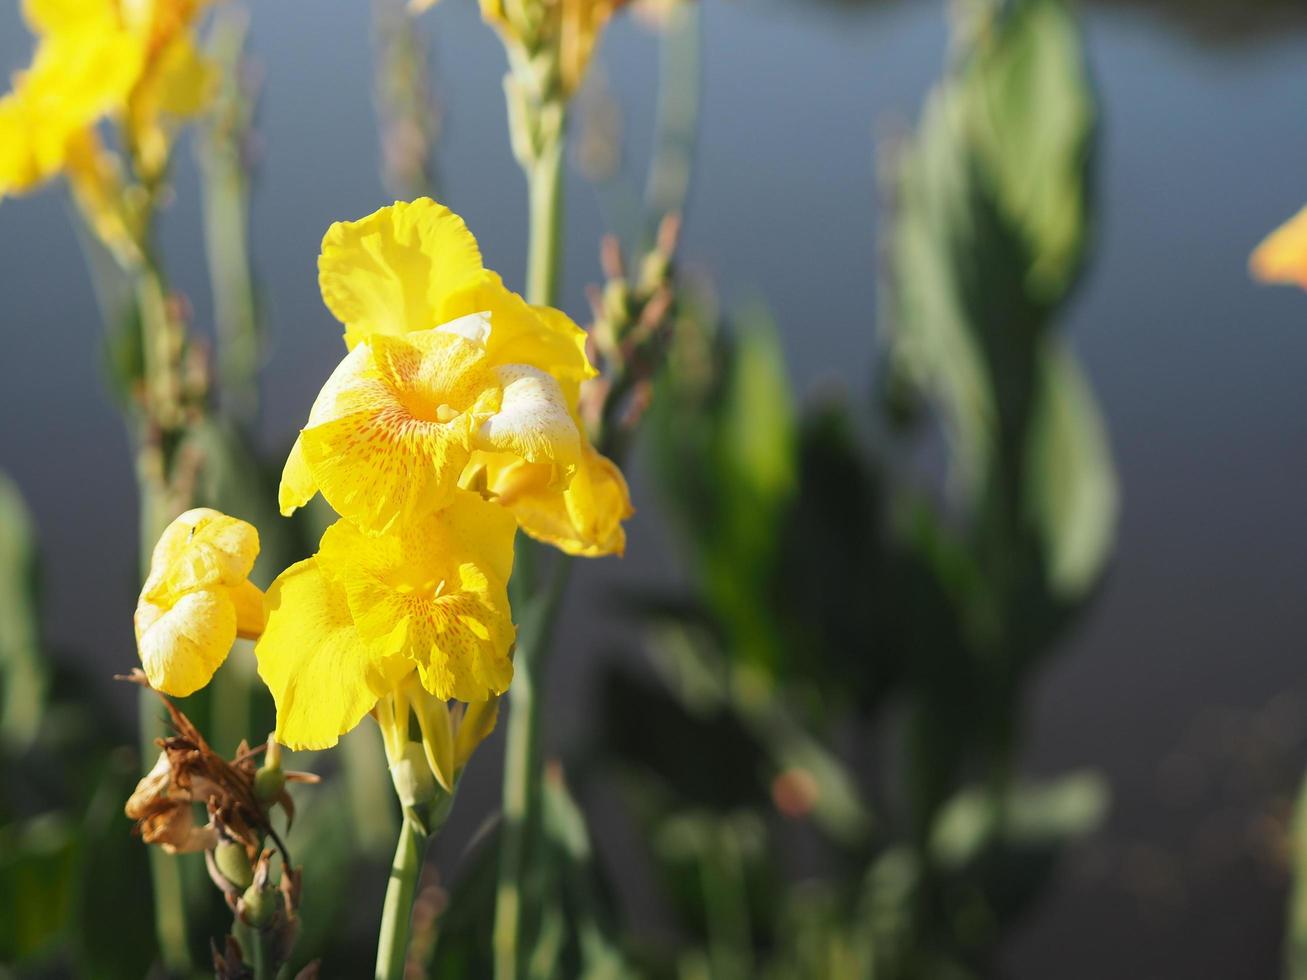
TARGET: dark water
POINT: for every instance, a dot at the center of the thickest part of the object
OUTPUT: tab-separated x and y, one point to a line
1188	682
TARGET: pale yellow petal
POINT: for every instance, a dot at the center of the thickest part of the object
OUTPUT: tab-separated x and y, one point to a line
181	646
389	273
533	421
322	678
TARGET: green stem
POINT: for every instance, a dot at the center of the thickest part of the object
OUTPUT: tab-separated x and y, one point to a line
544	251
522	772
165	869
392	944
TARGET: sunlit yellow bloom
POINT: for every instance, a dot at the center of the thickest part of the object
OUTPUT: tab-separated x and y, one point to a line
1282	257
452	379
131	59
197	599
366	614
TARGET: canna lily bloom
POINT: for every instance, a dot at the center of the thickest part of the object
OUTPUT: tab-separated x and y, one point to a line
1282	257
197	599
452	379
131	59
424	609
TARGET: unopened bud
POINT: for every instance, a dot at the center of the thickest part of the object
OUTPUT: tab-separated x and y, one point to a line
414	784
234	863
270	780
258	905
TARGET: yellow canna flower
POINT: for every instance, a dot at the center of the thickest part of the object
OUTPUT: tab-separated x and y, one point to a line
131	59
452	379
197	599
1282	257
368	615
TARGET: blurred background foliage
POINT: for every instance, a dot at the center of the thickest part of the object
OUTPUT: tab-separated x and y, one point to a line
817	735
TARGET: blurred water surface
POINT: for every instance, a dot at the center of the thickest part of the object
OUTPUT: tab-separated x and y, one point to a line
1187	683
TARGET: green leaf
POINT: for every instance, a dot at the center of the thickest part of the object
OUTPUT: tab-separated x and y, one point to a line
23	671
1072	488
38	873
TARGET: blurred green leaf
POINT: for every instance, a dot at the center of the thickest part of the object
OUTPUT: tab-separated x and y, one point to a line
725	432
38	876
23	671
1072	490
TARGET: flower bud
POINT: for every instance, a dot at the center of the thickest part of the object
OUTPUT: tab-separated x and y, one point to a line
270	779
257	906
414	784
234	863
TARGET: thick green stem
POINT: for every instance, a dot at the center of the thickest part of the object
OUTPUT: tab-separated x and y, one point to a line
392	943
544	253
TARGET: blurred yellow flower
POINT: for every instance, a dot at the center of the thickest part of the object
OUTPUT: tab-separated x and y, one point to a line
452	379
568	29
1282	257
131	59
197	599
367	615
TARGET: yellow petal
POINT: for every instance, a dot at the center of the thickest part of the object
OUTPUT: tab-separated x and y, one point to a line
390	272
322	678
297	484
202	548
478	722
394	436
97	184
251	616
1282	257
533	421
539	336
74	80
435	593
585	519
183	644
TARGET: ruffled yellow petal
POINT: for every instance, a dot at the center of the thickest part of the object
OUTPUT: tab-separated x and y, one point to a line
195	598
389	273
434	593
533	421
182	644
391	432
1282	257
538	336
322	677
585	519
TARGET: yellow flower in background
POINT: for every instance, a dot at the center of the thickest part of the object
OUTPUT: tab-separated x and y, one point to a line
452	379
197	599
368	615
1282	257
570	28
131	59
